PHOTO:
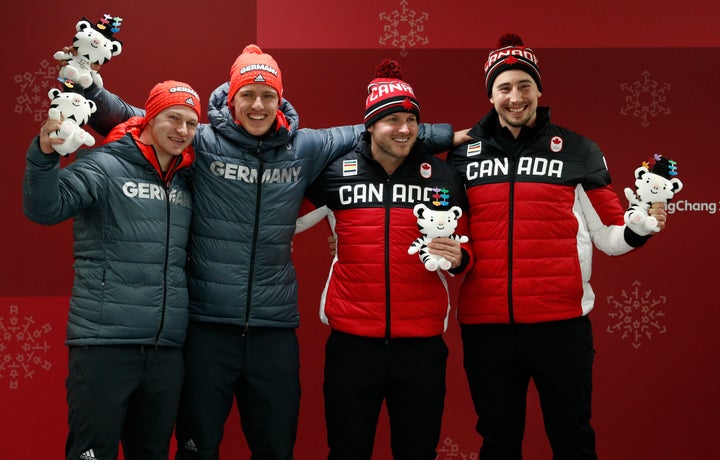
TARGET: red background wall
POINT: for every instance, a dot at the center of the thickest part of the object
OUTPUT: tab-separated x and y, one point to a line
637	78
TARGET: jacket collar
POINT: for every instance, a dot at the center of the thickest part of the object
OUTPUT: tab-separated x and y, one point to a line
132	128
223	121
490	127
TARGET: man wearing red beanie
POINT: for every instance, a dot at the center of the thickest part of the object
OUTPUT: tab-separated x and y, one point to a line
131	204
386	341
540	198
253	166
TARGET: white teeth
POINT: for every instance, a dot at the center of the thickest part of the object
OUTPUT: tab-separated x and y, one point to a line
256	117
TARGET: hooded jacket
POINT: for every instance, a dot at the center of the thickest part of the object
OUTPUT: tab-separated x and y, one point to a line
130	237
247	193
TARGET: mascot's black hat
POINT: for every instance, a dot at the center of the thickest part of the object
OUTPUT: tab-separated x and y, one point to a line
108	26
661	166
69	86
440	199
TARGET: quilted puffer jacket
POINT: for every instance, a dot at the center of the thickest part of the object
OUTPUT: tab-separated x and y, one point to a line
130	239
247	192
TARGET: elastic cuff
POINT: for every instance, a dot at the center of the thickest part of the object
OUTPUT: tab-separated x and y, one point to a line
463	263
635	240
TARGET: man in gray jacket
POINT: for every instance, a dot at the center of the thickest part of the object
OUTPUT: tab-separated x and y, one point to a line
253	166
131	206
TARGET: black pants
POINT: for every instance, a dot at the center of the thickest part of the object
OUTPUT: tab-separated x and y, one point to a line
408	374
122	394
258	368
500	360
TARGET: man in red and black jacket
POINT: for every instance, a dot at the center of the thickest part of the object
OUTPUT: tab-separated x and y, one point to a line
386	310
540	197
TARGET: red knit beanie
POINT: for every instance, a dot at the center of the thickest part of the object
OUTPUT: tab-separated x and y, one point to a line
512	54
169	93
254	66
388	93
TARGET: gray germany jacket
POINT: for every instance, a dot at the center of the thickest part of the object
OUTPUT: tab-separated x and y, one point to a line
130	238
247	193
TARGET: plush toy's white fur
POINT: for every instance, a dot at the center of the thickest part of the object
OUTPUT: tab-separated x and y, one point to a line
92	48
434	223
75	111
650	188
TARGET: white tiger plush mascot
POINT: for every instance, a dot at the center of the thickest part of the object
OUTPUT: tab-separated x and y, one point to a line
94	44
654	183
435	223
74	110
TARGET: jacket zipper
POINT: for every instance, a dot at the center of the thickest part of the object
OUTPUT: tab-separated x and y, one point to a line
165	263
253	248
388	330
511	228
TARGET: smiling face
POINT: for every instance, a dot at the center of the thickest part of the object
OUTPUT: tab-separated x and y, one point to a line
171	131
654	188
72	105
515	97
256	108
392	137
93	45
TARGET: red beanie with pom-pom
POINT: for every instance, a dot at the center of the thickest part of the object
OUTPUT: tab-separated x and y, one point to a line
254	66
388	93
511	54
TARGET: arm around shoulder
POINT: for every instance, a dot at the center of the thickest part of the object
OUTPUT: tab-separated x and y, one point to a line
437	137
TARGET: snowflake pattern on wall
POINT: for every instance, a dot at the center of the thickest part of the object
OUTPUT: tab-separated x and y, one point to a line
33	90
23	347
404	28
637	316
645	99
450	450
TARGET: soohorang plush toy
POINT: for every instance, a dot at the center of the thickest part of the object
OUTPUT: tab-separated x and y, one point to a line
94	45
70	106
654	182
435	222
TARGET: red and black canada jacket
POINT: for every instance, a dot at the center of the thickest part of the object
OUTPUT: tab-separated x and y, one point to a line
538	204
375	287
